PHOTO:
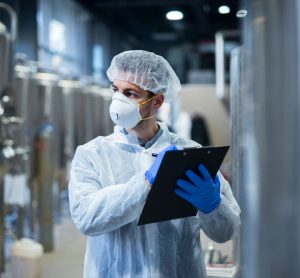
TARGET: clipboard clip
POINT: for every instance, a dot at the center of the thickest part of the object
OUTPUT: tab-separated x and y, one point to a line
198	147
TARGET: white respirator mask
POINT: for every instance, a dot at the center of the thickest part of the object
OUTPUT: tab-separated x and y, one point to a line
125	112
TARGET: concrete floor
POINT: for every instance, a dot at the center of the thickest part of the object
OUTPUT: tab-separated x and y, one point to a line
67	259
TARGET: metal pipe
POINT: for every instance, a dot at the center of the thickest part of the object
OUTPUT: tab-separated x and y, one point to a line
13	18
236	127
7	49
6	60
45	150
2	234
220	67
220	59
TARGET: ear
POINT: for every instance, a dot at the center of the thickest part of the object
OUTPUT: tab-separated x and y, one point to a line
158	101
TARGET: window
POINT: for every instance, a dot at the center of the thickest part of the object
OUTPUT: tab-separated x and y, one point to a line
64	30
57	36
98	62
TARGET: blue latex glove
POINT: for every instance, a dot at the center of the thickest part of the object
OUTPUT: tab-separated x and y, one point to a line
200	190
152	172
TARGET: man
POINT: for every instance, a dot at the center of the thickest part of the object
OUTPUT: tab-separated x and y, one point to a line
111	177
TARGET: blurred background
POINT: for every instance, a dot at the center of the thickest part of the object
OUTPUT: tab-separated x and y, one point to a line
238	62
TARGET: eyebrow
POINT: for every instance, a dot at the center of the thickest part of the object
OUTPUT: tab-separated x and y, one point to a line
127	89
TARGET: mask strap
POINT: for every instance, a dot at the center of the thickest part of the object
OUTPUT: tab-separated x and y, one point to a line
145	101
148	118
143	104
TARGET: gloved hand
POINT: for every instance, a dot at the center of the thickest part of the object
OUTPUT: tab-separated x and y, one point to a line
200	190
152	172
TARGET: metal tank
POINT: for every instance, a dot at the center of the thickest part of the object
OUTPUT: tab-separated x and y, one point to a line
6	144
271	239
238	128
98	120
89	94
21	102
44	131
70	91
89	114
41	89
107	125
94	108
39	104
97	108
81	111
6	47
85	115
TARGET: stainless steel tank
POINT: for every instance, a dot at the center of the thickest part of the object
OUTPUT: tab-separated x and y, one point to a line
98	111
44	154
94	108
98	121
107	125
43	105
12	147
81	113
6	47
6	151
21	102
89	103
69	89
271	233
238	128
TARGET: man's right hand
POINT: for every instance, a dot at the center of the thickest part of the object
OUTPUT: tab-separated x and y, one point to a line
152	172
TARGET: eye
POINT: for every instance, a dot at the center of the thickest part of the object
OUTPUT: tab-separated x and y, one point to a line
113	87
130	94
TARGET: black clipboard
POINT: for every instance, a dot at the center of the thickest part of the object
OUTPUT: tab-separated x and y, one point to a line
162	202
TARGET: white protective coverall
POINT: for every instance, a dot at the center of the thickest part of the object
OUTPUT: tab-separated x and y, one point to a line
107	193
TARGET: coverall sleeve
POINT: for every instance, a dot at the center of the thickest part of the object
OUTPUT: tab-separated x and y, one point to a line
96	209
223	223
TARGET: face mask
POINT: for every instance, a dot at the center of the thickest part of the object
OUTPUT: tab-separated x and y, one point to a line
125	112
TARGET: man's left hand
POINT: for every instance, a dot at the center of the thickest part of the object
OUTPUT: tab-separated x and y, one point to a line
200	189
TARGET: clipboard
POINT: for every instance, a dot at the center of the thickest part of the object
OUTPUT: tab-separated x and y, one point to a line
162	202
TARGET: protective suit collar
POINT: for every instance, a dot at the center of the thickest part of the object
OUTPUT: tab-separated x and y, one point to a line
131	139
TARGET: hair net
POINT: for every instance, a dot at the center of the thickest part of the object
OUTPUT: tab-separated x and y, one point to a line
149	71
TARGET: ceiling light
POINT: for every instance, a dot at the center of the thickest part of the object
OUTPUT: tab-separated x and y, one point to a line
241	13
224	10
174	15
